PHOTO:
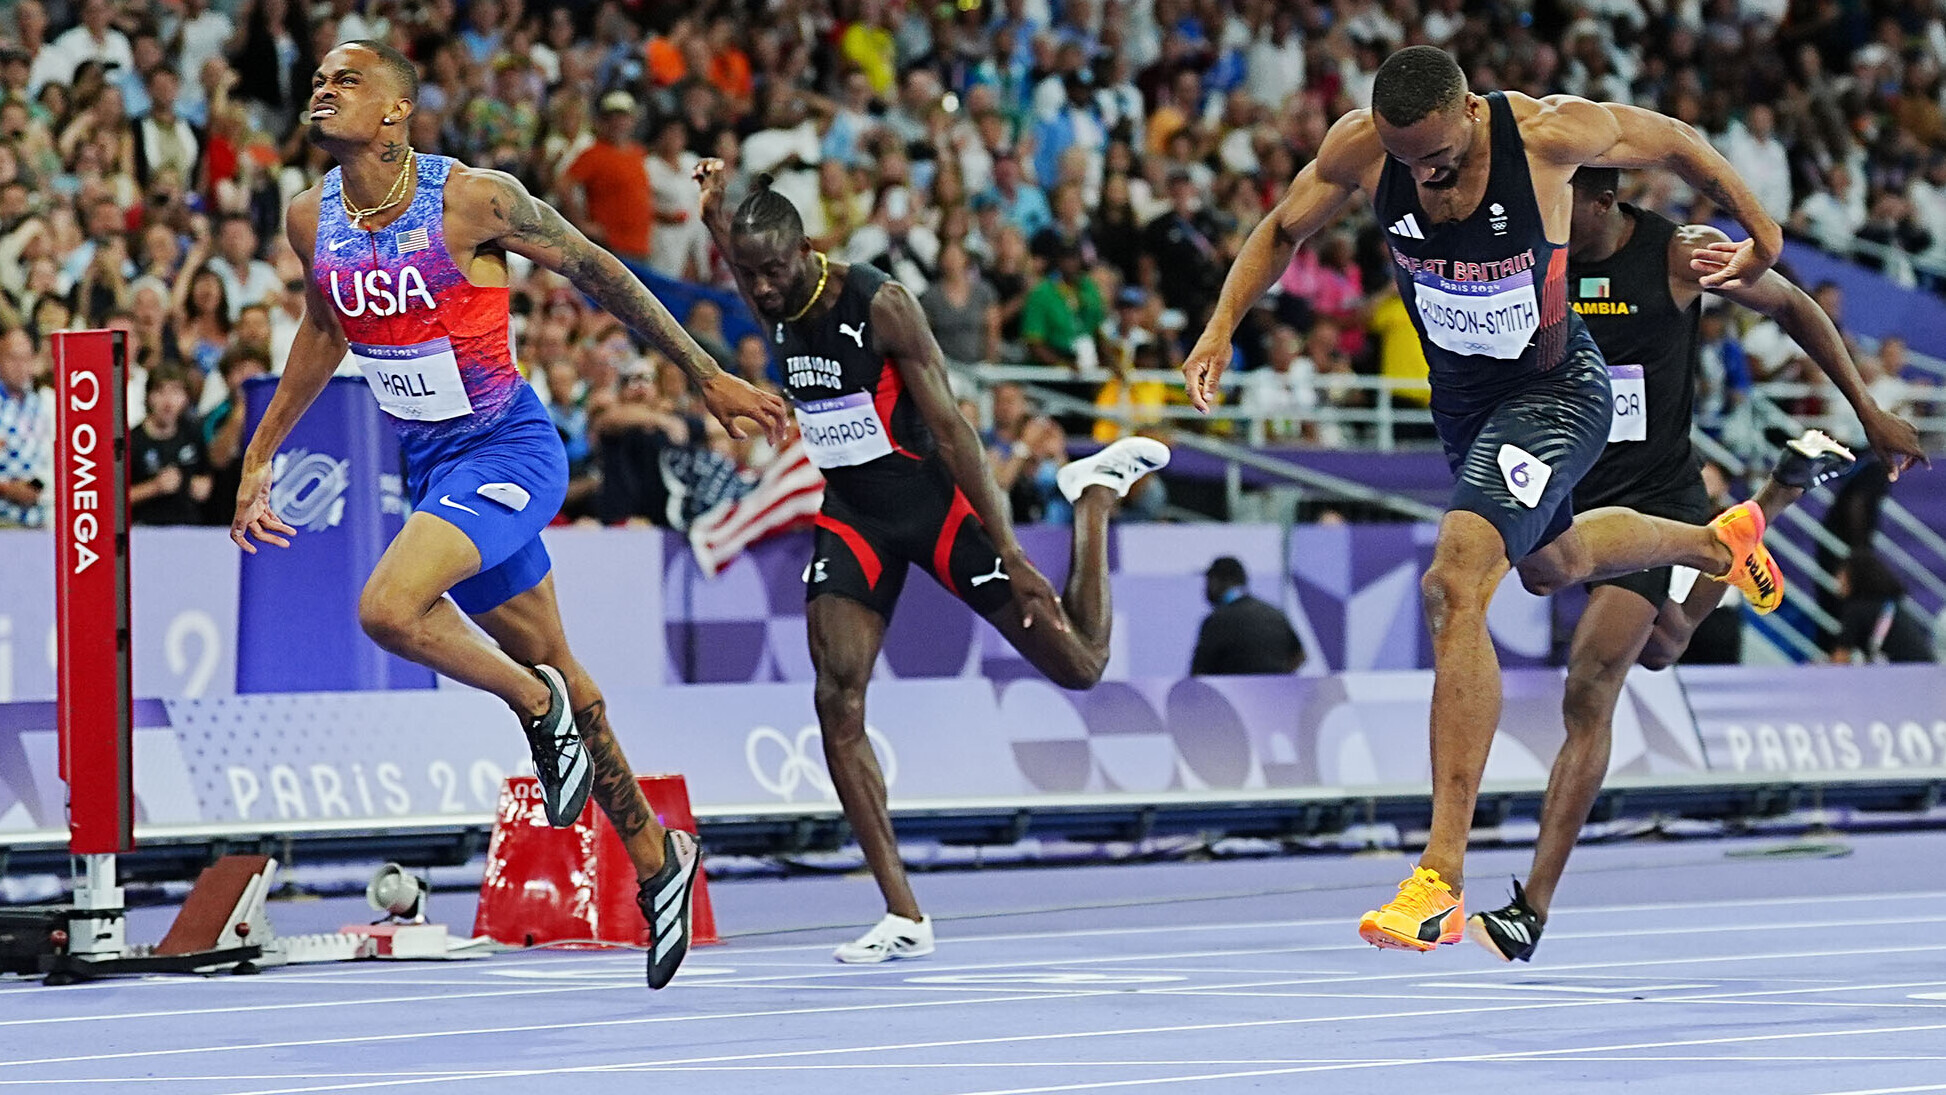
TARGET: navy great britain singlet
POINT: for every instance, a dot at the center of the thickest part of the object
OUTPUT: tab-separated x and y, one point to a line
1488	293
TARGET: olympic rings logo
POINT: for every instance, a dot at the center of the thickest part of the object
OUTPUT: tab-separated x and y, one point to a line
781	764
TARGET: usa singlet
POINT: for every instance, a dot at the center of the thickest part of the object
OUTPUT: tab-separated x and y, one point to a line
436	349
480	451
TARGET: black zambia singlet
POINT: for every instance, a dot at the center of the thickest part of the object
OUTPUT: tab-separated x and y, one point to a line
863	431
1488	293
1650	346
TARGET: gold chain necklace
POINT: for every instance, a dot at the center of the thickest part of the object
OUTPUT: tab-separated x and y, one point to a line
392	197
824	271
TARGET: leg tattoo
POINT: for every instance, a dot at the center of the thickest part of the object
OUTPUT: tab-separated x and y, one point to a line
614	785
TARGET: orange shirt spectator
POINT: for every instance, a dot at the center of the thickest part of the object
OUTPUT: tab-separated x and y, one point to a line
729	71
609	196
664	58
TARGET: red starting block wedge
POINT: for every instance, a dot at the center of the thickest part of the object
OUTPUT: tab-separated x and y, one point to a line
546	885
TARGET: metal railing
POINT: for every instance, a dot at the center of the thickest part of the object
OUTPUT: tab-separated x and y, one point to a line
1235	456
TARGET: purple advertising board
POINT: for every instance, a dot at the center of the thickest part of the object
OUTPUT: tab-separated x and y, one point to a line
283	763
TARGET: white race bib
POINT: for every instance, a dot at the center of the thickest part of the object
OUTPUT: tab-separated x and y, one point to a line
843	432
420	383
1479	318
1631	420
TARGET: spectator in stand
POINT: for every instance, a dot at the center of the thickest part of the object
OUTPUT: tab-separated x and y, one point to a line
1752	147
1035	496
1064	312
1182	245
705	324
678	246
247	279
1284	393
606	187
222	428
1021	203
962	309
753	360
26	433
169	474
1242	635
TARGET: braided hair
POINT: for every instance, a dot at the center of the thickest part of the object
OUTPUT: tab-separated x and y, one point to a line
765	211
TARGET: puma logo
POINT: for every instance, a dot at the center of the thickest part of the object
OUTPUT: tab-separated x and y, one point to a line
999	574
857	334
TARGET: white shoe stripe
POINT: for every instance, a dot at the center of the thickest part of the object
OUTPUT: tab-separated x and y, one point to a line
668	898
664	945
667	914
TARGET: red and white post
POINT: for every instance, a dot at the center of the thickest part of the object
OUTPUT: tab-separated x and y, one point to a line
91	611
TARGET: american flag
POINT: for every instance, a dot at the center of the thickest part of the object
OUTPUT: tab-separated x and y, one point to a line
416	240
788	494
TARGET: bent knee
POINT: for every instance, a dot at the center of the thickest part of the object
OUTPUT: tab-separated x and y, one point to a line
1543	583
1659	655
383	619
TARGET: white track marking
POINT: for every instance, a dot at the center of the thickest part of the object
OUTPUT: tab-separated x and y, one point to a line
742	953
1552	1054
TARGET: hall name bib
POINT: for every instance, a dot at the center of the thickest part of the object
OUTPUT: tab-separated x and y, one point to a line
1631	418
419	383
1479	318
843	432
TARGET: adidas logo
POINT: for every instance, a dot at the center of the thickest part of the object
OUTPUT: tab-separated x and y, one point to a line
1407	226
1515	930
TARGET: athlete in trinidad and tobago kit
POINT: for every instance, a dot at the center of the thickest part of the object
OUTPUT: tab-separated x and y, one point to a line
1636	280
906	482
406	261
1472	191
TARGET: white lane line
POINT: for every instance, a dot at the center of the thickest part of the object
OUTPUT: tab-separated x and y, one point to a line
1887	1090
534	1027
368	1002
732	951
1521	1055
1549	970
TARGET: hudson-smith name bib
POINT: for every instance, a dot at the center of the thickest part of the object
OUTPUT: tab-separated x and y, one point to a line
1481	318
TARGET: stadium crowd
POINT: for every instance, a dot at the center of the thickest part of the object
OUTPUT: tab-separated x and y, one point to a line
1062	182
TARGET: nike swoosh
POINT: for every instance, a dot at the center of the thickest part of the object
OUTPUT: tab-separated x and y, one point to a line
447	500
335	244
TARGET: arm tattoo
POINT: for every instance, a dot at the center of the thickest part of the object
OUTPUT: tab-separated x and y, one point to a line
615	789
393	151
522	217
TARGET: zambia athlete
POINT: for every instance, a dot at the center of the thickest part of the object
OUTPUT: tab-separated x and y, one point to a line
906	482
406	264
1473	193
1636	279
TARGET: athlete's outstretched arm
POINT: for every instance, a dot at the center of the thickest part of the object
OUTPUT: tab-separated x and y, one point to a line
1311	203
713	178
1696	253
902	334
514	219
1620	135
315	353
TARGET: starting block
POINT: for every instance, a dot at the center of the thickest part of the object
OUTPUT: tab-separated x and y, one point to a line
575	885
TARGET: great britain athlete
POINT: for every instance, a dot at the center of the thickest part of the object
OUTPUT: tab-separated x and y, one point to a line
1473	194
406	268
1636	278
906	482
